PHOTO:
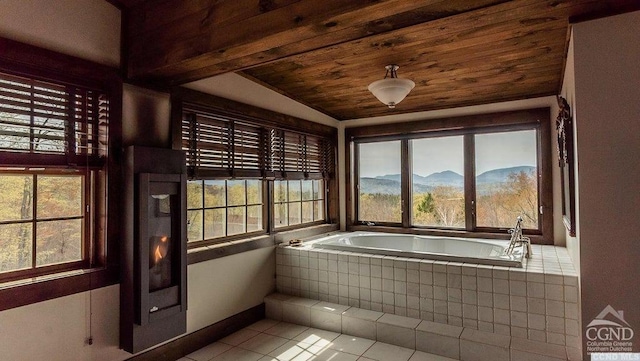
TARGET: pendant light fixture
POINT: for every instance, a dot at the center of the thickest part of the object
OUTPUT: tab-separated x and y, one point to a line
391	90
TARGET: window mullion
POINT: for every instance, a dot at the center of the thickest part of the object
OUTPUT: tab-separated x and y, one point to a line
87	217
34	207
204	209
405	178
470	182
226	208
286	201
268	206
314	200
355	179
246	206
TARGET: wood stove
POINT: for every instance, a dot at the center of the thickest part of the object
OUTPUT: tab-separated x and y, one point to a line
153	285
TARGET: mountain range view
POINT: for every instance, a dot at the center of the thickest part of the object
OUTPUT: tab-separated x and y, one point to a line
390	183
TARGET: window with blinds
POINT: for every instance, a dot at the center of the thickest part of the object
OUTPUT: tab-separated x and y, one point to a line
53	150
50	124
228	145
298	153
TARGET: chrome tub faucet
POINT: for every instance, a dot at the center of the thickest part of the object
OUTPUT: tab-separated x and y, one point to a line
518	239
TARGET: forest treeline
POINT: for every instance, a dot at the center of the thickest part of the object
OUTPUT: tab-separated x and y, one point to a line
497	205
219	208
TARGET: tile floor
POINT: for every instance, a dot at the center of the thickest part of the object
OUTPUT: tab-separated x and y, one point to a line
269	340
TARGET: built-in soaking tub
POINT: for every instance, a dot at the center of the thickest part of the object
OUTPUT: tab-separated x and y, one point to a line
489	252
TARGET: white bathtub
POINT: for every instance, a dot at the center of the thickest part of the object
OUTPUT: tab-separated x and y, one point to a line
489	252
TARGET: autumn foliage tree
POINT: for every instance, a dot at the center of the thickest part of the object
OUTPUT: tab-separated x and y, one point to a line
498	204
57	240
444	206
378	207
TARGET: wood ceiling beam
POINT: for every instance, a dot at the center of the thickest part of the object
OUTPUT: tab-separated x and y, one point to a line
183	41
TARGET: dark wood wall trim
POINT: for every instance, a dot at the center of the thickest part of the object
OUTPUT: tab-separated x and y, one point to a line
545	184
603	13
34	61
194	341
468	122
28	292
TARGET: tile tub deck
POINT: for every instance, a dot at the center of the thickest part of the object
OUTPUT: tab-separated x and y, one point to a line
537	303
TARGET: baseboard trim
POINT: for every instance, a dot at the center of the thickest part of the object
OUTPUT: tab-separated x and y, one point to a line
189	343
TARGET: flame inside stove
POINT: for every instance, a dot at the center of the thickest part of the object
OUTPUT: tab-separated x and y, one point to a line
161	249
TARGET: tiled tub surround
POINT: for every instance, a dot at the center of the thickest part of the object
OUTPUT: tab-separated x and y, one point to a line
538	302
453	342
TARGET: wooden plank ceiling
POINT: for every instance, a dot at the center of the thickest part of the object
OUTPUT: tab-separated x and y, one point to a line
325	53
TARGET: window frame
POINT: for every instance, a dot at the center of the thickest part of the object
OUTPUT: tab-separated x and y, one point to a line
432	135
403	191
501	129
30	61
281	163
467	126
289	227
233	237
87	237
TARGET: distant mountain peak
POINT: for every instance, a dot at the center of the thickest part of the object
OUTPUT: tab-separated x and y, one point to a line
446	172
501	175
395	177
390	183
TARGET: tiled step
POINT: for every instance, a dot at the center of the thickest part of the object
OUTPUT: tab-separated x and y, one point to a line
466	344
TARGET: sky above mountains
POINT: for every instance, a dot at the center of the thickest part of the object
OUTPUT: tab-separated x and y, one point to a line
440	154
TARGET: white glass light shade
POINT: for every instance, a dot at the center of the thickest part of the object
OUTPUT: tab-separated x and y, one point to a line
391	91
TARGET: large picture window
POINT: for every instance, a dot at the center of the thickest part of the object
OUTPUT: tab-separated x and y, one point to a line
437	183
506	166
379	185
459	178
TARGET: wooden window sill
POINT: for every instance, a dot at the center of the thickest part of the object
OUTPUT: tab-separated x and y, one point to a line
37	289
223	249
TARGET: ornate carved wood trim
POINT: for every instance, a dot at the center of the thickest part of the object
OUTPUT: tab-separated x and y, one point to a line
564	127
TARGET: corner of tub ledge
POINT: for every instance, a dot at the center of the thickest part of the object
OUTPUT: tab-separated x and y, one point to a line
306	232
277	296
